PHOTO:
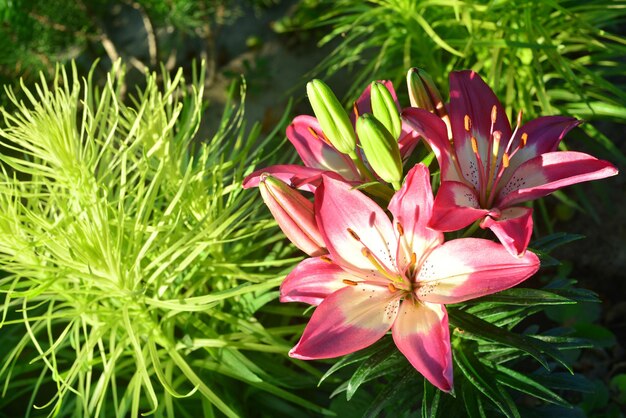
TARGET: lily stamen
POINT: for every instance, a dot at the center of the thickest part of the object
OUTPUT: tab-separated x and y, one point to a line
378	265
353	234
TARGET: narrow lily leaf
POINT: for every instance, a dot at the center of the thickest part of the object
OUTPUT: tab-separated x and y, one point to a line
525	297
525	384
552	241
566	381
483	380
472	324
383	363
430	396
387	395
472	401
386	344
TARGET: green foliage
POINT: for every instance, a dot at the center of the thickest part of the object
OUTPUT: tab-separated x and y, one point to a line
542	57
135	267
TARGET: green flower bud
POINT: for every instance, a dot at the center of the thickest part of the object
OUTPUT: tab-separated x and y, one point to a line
332	117
381	149
385	110
423	93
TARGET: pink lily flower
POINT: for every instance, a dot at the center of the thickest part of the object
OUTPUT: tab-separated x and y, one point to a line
320	156
487	169
381	275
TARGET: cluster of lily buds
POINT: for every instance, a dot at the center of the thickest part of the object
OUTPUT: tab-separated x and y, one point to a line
369	274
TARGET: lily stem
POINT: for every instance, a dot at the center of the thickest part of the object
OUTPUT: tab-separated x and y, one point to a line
470	231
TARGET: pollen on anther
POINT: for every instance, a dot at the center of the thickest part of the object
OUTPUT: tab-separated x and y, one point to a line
474	145
524	139
391	287
505	160
355	109
413	258
494	113
467	122
353	234
349	282
326	259
400	229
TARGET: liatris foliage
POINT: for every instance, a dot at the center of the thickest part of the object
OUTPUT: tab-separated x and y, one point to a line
552	57
134	267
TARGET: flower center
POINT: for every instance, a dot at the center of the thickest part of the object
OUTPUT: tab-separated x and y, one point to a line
492	162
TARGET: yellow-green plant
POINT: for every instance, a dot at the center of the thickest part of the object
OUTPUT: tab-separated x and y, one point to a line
133	265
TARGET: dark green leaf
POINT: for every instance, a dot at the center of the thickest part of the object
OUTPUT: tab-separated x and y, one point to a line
384	362
484	330
550	242
525	384
484	380
385	344
525	297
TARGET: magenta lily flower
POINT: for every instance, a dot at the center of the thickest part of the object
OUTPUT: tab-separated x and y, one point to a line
489	169
381	275
320	156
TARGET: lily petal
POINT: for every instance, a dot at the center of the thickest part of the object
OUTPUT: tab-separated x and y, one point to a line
471	97
513	228
294	175
551	171
355	229
542	135
468	268
294	215
346	321
306	136
435	133
412	207
313	280
364	104
421	333
456	206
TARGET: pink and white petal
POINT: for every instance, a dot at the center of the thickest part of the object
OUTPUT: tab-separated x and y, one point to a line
294	175
543	135
435	133
470	96
313	280
407	142
549	172
468	268
412	207
351	222
421	333
456	206
306	136
364	103
346	321
513	228
294	215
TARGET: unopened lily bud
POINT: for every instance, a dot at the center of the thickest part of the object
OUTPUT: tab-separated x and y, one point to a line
381	149
423	93
332	117
385	110
294	214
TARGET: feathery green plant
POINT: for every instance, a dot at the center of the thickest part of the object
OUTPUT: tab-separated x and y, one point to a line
133	264
543	57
